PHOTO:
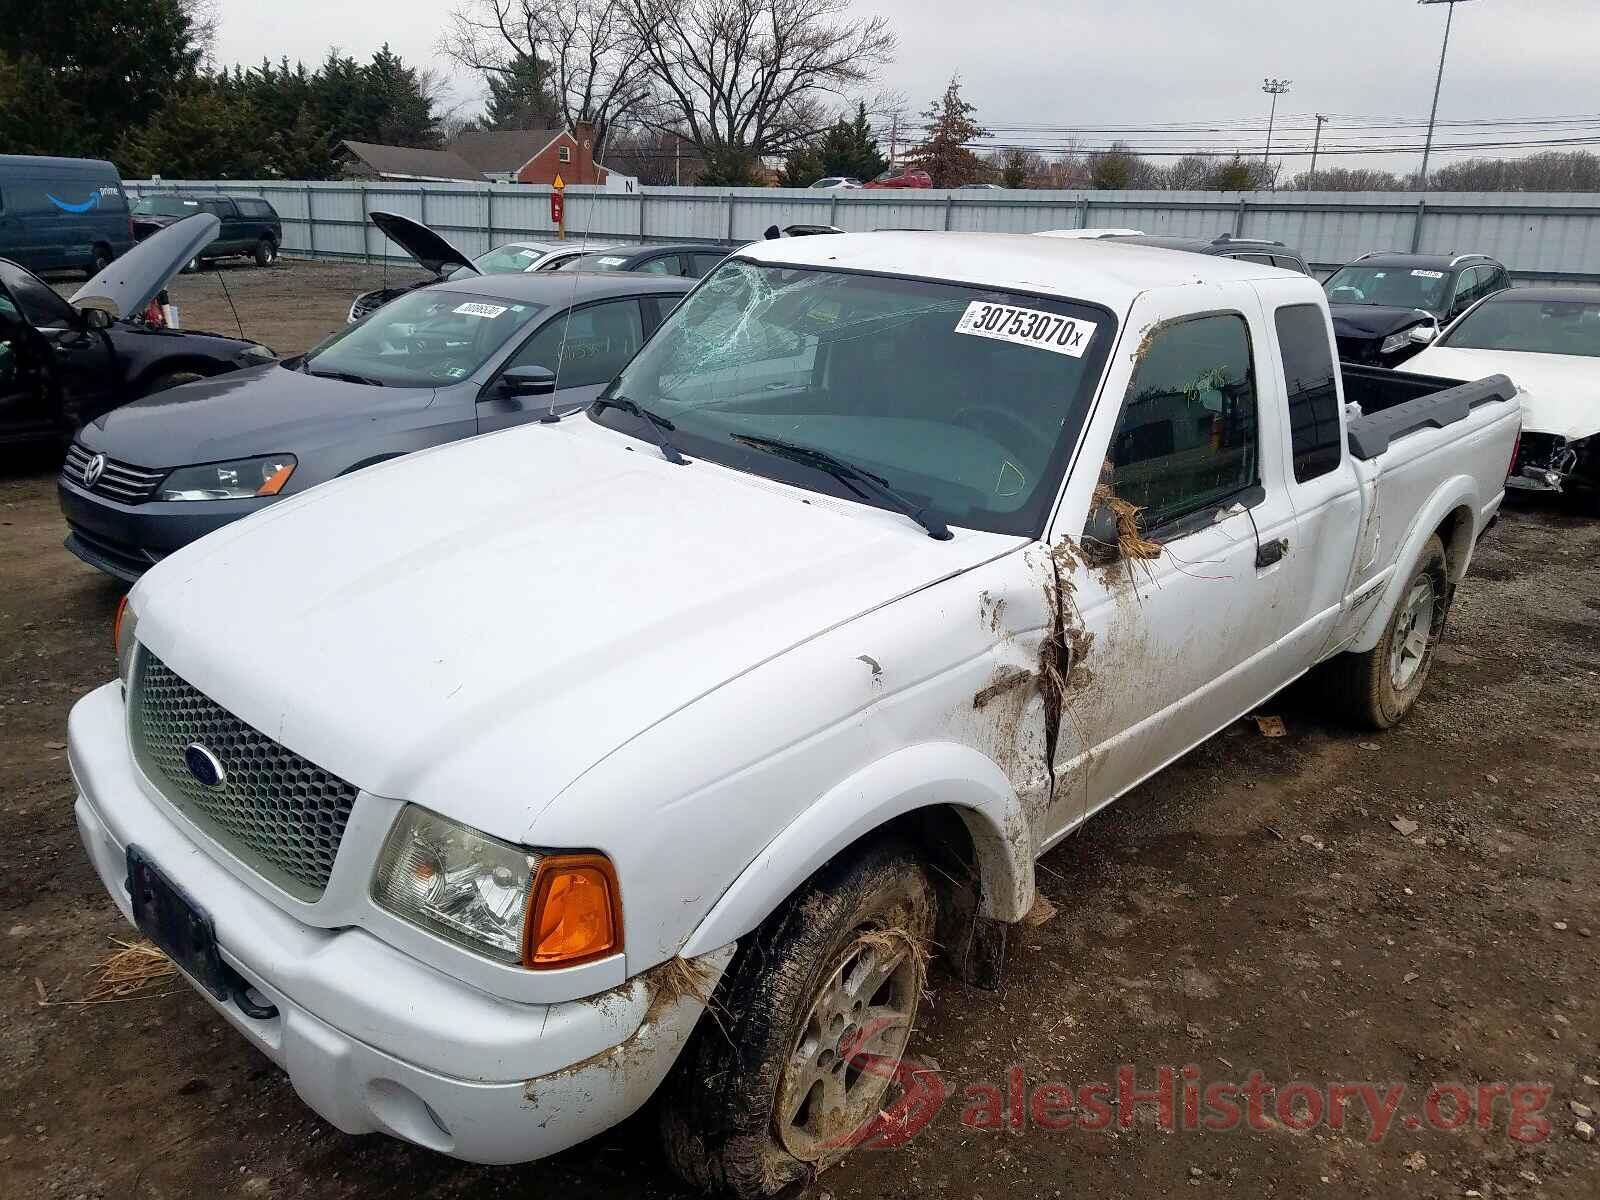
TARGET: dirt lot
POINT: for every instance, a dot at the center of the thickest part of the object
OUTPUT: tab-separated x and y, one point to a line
1251	909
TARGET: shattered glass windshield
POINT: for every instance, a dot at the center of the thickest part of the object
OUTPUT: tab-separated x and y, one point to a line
964	399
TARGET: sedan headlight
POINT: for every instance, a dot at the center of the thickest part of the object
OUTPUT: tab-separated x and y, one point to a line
236	480
507	902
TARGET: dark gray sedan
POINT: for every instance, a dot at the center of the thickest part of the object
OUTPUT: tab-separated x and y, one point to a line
435	365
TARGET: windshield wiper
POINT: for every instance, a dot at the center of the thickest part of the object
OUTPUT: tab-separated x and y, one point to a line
848	473
658	426
346	376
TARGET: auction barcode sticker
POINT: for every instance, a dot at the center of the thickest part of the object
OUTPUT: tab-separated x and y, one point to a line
1027	327
475	309
1428	274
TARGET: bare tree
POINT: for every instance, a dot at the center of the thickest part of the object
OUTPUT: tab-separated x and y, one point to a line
587	53
745	78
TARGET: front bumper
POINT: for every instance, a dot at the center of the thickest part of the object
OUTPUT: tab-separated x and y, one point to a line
126	540
373	1040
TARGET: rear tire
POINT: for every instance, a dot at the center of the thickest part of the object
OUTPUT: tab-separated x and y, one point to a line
266	253
1377	689
762	1096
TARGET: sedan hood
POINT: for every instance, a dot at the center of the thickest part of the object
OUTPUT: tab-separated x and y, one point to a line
129	284
1374	320
1560	392
269	409
472	628
423	244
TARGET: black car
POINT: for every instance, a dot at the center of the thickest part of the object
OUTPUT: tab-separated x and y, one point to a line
1387	307
1268	254
250	226
441	363
64	363
690	261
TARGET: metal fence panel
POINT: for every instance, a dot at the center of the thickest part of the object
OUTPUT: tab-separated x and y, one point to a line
1539	237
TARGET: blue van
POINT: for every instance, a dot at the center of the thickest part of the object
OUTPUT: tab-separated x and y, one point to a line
62	214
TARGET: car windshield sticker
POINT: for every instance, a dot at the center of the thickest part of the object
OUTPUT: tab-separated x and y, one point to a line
1027	327
1428	274
475	309
528	253
611	261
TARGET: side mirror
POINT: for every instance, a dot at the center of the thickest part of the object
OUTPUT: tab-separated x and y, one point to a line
1102	537
526	381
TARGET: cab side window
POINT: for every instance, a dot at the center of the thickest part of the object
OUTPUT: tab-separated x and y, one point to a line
587	348
1187	439
1313	390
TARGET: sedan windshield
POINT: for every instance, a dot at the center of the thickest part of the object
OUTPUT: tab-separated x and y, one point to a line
165	206
508	260
965	401
425	338
1392	287
1530	327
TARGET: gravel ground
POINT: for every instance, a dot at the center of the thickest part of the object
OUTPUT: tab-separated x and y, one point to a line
1253	908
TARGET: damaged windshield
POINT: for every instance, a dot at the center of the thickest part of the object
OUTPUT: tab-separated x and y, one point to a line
965	401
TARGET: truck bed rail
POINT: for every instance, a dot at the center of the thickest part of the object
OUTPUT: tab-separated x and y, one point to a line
1370	434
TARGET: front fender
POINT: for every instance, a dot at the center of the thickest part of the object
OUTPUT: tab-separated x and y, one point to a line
1459	492
923	776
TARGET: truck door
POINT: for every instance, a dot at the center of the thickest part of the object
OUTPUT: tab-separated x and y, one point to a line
1321	481
1174	645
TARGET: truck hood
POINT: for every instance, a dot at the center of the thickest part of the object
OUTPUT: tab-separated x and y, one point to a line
423	244
471	628
269	409
129	284
1374	320
1560	392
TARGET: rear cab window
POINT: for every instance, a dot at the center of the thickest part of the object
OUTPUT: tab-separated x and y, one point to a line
1313	390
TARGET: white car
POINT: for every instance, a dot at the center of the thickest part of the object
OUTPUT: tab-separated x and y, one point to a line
837	182
1547	339
458	785
1090	232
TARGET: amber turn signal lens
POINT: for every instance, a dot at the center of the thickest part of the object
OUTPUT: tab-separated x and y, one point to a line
116	625
276	480
576	914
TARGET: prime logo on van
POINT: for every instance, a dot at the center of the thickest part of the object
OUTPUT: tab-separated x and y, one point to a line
91	203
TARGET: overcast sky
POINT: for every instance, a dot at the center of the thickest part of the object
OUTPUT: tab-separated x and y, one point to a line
1128	62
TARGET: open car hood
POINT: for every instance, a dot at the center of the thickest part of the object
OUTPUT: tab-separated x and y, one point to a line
423	244
129	284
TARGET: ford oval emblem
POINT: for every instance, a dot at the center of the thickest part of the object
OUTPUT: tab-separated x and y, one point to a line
204	765
93	469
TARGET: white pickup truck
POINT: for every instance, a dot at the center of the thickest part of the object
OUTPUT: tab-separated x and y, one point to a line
461	785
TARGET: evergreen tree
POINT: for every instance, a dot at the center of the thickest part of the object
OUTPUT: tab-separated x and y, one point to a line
945	155
849	149
519	97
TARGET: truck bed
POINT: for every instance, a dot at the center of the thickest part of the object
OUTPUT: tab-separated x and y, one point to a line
1397	403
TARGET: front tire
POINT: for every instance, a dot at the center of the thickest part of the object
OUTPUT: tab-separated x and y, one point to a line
266	253
170	380
1377	689
773	1083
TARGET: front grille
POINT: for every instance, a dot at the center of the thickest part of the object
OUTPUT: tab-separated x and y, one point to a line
118	481
282	815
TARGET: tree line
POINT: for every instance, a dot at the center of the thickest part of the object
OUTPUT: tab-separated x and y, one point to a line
690	91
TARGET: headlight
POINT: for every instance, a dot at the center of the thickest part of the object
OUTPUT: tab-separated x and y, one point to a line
257	354
507	902
123	639
237	480
1395	342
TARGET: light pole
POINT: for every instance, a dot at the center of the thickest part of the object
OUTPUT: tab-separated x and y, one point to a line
1427	148
1274	88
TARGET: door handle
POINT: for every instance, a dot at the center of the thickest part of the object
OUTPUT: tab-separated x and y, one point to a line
1271	552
